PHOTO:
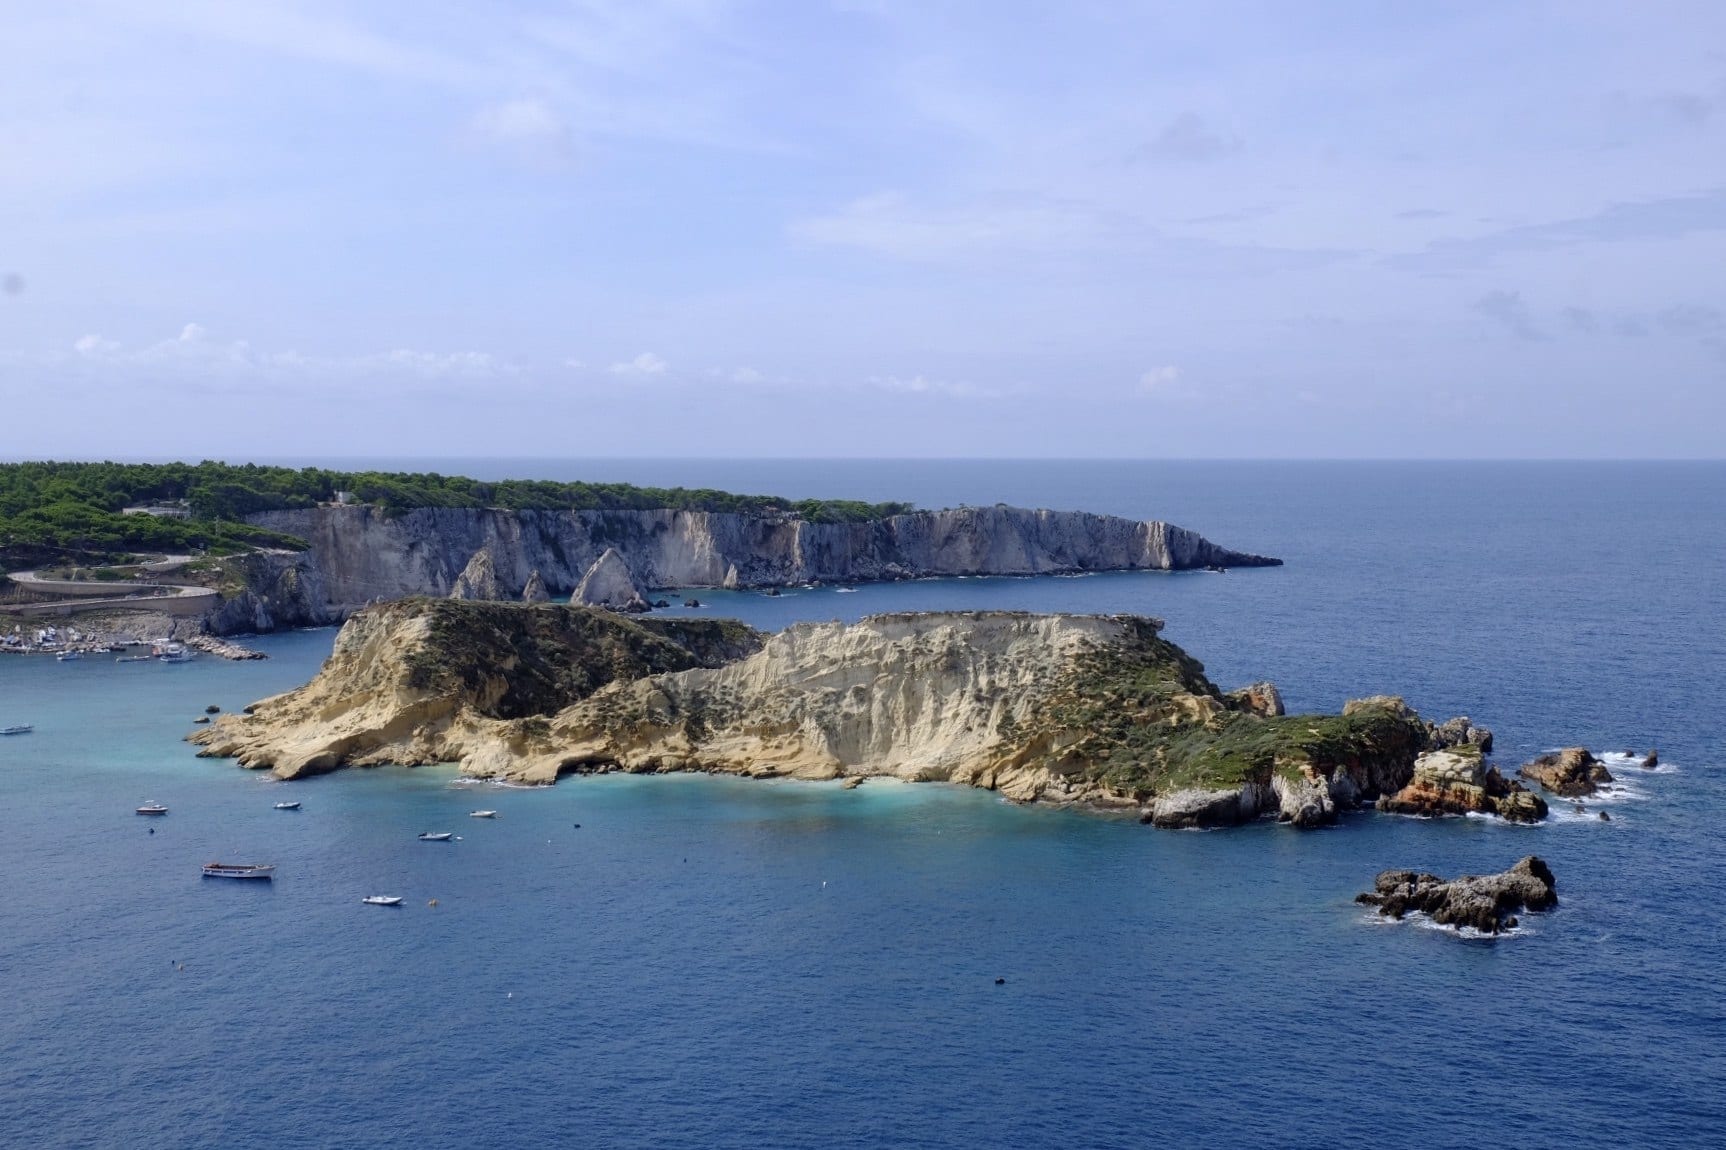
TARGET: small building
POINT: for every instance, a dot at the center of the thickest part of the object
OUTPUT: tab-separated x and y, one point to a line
177	510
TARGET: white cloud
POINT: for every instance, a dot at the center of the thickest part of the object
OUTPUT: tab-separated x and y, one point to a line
574	364
644	364
193	354
922	385
1160	378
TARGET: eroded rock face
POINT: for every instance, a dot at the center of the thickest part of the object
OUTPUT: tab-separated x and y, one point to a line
1449	782
365	555
1261	698
1487	903
478	580
1572	772
279	590
1459	732
608	583
535	591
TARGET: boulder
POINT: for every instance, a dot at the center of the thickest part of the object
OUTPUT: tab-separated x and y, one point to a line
1488	903
609	583
1458	732
1199	808
535	591
1458	782
1652	761
478	580
1570	772
1392	703
1258	699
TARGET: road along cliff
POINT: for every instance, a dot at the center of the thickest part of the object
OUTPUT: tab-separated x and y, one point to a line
362	554
1099	710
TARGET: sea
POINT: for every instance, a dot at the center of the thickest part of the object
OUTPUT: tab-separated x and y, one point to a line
691	961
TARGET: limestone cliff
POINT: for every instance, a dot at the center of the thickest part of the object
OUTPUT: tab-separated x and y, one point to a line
478	580
366	555
1059	708
608	583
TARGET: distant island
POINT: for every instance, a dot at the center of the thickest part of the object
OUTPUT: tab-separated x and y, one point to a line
281	547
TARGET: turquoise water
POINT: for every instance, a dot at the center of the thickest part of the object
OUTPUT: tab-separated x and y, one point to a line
719	962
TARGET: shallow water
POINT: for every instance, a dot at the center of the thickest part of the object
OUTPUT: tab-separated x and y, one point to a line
720	962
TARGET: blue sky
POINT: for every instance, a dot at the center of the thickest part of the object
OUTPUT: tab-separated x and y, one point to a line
863	228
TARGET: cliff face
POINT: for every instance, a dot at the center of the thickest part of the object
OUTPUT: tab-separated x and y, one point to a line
1095	709
365	555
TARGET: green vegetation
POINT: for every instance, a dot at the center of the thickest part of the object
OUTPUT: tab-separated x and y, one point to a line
1142	717
516	660
51	512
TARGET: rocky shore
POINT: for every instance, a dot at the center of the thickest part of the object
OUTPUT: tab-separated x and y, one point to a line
1486	903
1095	710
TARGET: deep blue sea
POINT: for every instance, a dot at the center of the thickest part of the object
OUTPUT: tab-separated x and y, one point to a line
710	962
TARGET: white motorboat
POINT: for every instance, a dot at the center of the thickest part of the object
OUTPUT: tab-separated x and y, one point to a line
436	837
482	814
17	729
68	656
152	809
238	870
293	806
382	900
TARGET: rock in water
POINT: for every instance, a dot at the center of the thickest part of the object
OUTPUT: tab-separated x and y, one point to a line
478	580
535	591
1456	782
1652	761
1571	772
1488	903
608	583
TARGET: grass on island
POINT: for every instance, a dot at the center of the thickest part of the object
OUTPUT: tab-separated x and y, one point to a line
1142	718
72	512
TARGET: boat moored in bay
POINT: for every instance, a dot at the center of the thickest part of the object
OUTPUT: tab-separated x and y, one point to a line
238	870
382	899
152	809
436	837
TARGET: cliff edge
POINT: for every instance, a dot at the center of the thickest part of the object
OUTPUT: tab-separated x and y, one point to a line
1056	708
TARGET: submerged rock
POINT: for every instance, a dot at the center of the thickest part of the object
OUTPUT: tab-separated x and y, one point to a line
1457	782
1570	772
1488	903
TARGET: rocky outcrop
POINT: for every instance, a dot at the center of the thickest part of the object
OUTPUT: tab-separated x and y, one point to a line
1458	782
1486	903
1261	698
535	591
410	681
478	580
270	591
1459	732
1052	708
1572	772
366	554
608	583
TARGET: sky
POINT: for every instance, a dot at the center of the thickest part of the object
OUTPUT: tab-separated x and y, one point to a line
863	228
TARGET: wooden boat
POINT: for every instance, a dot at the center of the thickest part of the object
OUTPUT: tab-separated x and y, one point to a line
238	870
437	837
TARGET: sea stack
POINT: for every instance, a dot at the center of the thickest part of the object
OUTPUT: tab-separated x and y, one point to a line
478	580
608	583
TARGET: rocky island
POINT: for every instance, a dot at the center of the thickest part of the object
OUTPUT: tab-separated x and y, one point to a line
1487	903
1095	710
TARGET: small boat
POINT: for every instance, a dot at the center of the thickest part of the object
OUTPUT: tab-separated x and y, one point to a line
437	837
152	809
68	656
17	729
172	653
134	659
238	870
382	900
293	806
482	814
